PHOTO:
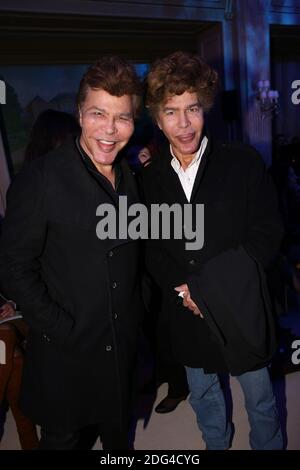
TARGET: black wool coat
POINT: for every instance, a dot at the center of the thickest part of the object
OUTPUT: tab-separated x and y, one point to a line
80	295
240	211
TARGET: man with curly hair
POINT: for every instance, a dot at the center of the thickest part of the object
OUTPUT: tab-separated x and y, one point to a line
216	297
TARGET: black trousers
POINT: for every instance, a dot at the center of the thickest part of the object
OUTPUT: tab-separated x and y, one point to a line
112	439
156	329
177	381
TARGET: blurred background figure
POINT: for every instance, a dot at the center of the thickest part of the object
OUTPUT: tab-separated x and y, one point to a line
49	131
144	145
144	156
12	333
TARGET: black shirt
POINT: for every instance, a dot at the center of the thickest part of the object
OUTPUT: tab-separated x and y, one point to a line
99	176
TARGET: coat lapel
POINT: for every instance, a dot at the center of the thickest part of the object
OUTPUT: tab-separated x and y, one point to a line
129	183
201	169
88	192
169	180
92	187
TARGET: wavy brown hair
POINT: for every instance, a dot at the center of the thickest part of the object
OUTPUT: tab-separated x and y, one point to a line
177	73
113	75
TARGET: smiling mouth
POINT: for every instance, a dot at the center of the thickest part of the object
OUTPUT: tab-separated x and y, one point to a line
106	142
106	145
186	138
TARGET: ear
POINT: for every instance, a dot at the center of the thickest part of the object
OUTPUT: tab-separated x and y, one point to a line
80	116
158	122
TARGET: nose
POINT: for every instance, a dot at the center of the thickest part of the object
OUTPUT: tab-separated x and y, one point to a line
183	120
110	126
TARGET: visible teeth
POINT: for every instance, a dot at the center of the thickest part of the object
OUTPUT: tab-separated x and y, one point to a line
106	142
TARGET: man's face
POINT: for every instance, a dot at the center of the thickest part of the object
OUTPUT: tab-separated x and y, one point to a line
106	125
181	120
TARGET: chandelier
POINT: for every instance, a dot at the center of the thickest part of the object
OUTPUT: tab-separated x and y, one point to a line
267	99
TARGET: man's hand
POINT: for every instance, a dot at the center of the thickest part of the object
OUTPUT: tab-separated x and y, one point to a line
6	311
187	301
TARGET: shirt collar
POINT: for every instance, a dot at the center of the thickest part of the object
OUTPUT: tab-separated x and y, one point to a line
175	162
93	169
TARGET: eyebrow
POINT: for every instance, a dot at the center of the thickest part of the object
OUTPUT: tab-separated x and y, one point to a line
105	112
171	108
126	114
96	107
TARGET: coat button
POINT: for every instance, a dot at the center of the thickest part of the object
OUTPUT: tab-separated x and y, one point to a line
46	338
192	262
115	316
114	285
110	253
108	348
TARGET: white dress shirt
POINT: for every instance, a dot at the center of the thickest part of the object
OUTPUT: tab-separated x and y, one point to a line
187	177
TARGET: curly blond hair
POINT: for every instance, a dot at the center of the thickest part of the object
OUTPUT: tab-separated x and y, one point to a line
177	73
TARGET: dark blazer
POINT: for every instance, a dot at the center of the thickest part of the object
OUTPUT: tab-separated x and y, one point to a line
231	292
240	210
79	295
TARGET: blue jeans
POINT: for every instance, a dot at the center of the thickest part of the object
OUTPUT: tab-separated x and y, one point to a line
207	400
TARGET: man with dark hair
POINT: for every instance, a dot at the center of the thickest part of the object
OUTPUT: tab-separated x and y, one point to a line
223	322
78	294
